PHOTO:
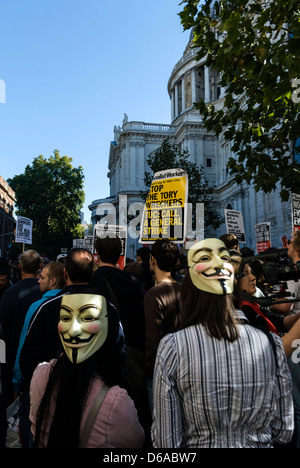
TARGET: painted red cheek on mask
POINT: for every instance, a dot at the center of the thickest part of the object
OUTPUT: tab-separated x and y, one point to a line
92	328
200	267
60	328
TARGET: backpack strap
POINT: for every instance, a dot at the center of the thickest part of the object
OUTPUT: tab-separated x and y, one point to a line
257	321
94	410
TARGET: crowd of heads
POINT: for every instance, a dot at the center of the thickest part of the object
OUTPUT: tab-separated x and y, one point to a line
211	269
214	274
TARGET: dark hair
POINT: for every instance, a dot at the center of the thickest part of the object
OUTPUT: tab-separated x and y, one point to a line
134	268
247	252
144	253
56	270
4	267
216	313
30	261
71	383
79	265
109	249
230	240
166	254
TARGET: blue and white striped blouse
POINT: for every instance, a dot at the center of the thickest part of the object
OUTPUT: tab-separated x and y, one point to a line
213	393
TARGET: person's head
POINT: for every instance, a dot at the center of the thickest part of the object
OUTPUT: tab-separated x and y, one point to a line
143	255
135	269
256	266
51	277
164	255
206	290
230	240
108	249
247	252
246	282
294	247
210	268
4	273
78	266
89	327
83	325
61	258
30	262
92	345
235	259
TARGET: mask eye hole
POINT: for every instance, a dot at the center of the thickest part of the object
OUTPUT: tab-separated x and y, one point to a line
201	258
65	318
225	258
88	318
204	258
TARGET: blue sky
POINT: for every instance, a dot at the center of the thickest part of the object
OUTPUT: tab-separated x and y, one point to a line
72	69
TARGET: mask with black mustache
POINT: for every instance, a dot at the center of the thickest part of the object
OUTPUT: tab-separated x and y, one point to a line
209	267
83	325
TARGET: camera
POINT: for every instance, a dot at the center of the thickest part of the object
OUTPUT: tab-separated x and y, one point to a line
273	270
276	266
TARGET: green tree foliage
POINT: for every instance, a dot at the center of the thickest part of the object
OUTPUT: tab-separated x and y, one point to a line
255	46
50	192
169	156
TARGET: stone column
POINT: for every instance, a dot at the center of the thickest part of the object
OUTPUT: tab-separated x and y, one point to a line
117	178
194	91
176	101
206	84
133	149
183	94
141	164
172	105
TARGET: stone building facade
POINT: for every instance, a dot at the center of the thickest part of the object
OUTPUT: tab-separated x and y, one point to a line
135	141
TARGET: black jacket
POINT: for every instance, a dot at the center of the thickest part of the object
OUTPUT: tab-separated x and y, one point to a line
14	304
3	424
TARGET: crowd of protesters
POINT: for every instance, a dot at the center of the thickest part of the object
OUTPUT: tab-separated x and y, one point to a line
173	351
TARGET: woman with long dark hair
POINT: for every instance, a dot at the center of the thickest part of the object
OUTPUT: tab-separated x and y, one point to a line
216	381
65	392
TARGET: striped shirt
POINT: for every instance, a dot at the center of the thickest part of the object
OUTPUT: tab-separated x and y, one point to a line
213	393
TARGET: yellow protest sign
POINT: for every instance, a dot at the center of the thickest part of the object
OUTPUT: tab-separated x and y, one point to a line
165	209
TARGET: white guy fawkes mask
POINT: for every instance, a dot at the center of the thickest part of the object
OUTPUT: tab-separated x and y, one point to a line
83	325
210	268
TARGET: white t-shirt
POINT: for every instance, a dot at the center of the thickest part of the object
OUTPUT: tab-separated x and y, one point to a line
294	288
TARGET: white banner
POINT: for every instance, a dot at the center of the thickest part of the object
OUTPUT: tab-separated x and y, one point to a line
24	230
235	224
295	212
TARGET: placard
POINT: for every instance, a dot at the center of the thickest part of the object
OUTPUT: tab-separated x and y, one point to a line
24	230
235	224
263	236
164	215
295	212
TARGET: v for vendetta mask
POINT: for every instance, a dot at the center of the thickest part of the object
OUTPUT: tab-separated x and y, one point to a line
210	268
83	325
